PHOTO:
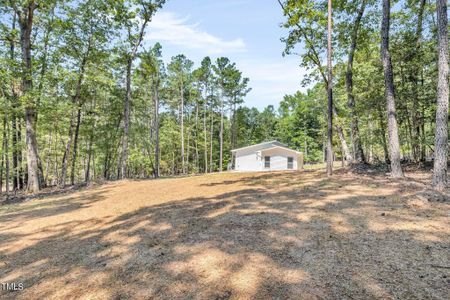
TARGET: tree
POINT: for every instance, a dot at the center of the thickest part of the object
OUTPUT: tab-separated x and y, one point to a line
153	72
394	145
306	21
266	122
441	135
179	76
357	148
25	14
5	148
330	96
145	11
204	76
14	71
84	37
416	58
74	77
302	121
238	89
223	69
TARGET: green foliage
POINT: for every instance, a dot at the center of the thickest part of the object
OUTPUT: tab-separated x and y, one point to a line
414	62
80	49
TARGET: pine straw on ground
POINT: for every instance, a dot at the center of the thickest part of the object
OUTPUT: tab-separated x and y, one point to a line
286	235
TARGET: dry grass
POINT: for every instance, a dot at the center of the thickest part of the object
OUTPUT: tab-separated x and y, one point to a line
231	236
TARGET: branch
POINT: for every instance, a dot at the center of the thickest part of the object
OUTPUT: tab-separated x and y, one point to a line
16	10
11	40
315	55
138	42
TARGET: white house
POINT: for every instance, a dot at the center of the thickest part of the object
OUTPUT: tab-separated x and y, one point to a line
268	156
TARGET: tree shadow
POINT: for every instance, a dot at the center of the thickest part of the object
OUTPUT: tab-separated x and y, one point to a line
312	239
23	196
44	208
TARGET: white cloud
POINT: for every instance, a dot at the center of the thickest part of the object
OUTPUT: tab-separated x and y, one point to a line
271	81
168	27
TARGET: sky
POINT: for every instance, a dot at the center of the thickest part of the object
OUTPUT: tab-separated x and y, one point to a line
245	31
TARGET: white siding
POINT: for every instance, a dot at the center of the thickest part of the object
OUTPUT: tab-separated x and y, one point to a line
279	158
248	160
251	159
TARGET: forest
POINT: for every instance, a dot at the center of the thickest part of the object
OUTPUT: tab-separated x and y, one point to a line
84	97
118	178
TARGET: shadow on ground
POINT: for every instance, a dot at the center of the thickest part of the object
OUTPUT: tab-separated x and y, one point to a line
271	236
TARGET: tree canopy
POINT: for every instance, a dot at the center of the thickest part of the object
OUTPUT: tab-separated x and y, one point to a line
83	98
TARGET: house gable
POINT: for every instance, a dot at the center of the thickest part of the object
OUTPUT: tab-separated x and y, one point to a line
258	147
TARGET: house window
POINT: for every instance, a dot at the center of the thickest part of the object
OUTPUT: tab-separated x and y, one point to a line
267	162
290	163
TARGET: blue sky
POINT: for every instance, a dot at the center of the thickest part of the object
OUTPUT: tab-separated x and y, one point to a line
245	31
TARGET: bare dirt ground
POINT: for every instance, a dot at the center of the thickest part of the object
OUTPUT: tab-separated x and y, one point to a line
284	235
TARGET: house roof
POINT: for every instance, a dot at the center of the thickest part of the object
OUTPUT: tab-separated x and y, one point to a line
280	147
262	144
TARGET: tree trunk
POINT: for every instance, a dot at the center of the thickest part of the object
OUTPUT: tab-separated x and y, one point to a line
1	167
48	157
15	105
15	153
182	129
204	131
324	149
75	101
211	135
156	124
93	165
6	149
44	66
383	135
221	136
394	145
234	126
441	135
126	122
22	173
75	147
66	155
188	143
357	148
416	119
423	134
87	174
3	154
110	146
197	155
106	165
126	115
173	163
35	176
341	136
411	141
330	96
316	60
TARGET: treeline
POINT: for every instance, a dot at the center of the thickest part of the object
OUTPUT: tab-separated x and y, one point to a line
82	98
390	76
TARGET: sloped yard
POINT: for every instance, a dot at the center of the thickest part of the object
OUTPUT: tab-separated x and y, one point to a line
231	236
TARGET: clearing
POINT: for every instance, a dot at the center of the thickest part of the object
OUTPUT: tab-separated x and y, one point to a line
288	235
